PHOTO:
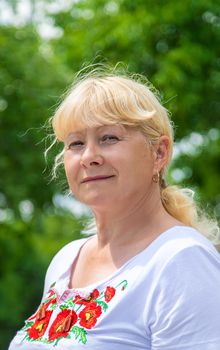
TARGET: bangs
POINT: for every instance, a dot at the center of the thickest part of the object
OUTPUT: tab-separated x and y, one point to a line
103	101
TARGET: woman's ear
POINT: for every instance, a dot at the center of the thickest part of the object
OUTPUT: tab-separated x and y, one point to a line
161	153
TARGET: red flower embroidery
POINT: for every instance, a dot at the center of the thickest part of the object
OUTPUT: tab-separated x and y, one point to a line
84	301
109	293
89	315
62	324
40	314
62	327
51	293
39	327
51	301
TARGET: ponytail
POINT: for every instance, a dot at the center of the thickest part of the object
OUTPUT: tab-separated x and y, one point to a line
180	203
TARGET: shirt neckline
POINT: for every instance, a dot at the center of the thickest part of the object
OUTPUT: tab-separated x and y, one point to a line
83	291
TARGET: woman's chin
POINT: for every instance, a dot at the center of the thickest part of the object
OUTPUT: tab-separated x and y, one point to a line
99	202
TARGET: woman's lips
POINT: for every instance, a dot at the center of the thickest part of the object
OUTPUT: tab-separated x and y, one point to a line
96	178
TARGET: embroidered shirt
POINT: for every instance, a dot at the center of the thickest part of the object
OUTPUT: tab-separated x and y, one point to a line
167	297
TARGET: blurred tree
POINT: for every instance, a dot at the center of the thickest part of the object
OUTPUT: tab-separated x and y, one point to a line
30	83
175	44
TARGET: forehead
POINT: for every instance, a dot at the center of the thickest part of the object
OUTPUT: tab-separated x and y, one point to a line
82	121
94	103
109	101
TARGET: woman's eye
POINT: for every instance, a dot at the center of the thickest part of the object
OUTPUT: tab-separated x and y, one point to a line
75	144
109	139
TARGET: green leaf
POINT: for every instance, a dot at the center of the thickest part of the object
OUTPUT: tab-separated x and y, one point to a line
79	332
103	305
27	325
83	338
63	307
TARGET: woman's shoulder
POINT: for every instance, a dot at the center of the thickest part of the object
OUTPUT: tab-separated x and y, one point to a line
183	258
185	293
181	243
68	250
179	238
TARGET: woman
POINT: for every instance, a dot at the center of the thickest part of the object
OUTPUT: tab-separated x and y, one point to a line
148	279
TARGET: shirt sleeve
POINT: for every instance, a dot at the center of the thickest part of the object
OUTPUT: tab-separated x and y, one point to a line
186	302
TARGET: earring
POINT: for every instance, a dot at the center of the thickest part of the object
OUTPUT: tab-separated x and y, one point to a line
156	177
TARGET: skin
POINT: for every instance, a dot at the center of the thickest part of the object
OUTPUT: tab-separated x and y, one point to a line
110	169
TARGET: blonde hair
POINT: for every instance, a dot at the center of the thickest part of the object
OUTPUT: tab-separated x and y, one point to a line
101	98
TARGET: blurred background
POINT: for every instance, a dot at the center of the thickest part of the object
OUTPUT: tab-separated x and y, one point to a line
176	44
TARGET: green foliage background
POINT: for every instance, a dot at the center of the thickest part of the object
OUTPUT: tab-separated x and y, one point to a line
175	44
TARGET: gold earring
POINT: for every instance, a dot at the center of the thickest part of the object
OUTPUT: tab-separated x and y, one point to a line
156	177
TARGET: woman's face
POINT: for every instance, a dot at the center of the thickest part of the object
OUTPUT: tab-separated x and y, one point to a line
109	165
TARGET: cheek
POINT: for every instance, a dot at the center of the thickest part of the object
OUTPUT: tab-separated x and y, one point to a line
144	168
71	166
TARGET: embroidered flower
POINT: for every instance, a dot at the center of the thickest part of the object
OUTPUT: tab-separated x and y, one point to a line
39	327
84	301
62	324
109	293
40	314
73	317
89	315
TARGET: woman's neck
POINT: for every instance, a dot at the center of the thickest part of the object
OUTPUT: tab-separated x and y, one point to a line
142	220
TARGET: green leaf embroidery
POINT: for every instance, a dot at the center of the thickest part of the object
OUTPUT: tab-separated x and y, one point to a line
83	338
53	306
52	285
57	341
63	307
102	304
76	331
27	325
79	332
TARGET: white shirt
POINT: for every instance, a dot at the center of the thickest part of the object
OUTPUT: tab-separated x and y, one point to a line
167	297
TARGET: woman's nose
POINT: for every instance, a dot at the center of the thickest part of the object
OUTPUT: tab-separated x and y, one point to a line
91	156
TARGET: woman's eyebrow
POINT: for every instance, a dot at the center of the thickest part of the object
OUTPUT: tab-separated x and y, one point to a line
73	134
112	126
